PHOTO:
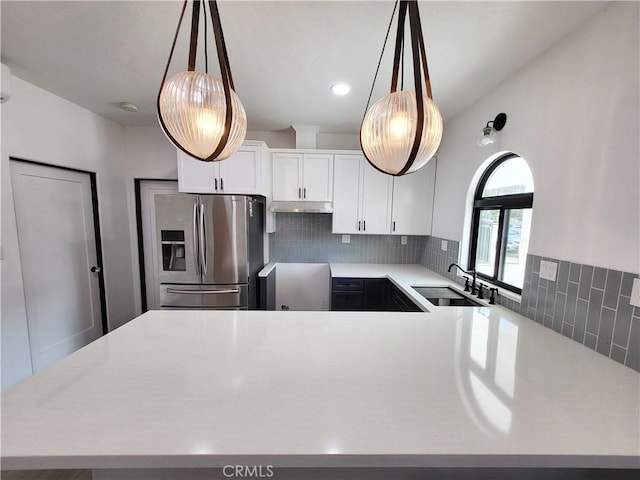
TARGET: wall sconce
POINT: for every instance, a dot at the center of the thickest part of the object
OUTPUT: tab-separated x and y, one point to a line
200	114
401	132
488	134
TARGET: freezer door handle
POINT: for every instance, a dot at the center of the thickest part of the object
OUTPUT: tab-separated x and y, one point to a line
203	242
180	291
196	249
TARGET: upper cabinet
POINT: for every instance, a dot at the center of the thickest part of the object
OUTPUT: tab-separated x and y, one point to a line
302	177
365	201
361	197
246	172
413	201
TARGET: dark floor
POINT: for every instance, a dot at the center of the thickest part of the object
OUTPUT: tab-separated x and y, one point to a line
46	475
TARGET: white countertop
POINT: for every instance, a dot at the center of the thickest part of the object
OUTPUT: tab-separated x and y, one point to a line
403	276
453	387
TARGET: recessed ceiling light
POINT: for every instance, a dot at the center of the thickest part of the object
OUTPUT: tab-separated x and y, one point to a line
340	88
128	107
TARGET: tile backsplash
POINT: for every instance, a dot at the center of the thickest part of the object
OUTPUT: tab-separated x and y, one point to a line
307	237
590	305
438	260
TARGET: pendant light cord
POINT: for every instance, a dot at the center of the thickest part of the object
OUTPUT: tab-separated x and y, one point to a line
206	53
193	42
395	7
173	45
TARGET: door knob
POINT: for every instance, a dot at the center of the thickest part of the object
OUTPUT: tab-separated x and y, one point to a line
96	269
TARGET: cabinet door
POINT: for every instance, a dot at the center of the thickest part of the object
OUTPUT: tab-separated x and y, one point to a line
195	176
287	176
346	301
376	200
317	182
399	302
346	193
413	201
376	294
241	173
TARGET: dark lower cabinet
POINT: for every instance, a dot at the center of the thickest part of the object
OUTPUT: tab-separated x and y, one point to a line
369	295
347	293
375	295
346	301
399	302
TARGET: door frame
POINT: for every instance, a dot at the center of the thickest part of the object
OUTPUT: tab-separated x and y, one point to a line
141	265
96	231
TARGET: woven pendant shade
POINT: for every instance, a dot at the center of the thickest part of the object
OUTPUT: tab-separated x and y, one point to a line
193	109
389	129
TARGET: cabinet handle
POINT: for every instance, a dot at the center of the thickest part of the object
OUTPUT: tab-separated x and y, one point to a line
215	184
222	184
359	222
364	225
304	192
299	193
394	226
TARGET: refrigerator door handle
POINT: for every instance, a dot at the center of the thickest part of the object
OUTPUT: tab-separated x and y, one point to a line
203	241
196	249
198	292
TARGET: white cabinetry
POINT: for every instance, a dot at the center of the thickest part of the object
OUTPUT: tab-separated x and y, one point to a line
413	201
361	197
302	177
245	172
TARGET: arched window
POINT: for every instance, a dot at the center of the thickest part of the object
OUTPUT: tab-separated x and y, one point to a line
502	222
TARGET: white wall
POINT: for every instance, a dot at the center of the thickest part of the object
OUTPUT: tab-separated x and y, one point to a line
39	126
281	139
147	154
573	115
338	141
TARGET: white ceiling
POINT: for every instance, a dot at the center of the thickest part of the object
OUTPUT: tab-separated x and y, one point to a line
284	55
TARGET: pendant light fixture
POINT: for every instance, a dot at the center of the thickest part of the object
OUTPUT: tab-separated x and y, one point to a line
200	114
401	132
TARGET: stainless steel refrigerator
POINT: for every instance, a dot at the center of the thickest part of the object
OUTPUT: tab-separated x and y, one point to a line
210	250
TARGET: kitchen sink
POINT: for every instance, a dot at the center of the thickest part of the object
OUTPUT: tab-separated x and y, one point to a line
446	297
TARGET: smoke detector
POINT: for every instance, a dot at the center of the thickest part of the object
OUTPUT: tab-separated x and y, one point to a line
128	107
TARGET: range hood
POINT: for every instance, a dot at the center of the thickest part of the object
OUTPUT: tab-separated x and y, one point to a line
301	207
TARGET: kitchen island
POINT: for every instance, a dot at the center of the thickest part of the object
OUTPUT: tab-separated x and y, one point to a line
193	392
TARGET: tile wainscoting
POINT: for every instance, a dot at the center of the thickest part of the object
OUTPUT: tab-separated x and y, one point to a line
307	238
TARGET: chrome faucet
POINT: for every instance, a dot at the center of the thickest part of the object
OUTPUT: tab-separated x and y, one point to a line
471	272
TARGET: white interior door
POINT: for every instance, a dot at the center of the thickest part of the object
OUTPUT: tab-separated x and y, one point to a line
148	190
55	222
